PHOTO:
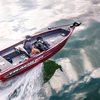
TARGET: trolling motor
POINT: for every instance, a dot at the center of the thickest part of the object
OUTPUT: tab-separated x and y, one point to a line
75	24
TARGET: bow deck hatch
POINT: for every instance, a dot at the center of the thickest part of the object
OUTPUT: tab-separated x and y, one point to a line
4	65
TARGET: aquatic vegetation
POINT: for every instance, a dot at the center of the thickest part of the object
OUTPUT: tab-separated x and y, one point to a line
49	69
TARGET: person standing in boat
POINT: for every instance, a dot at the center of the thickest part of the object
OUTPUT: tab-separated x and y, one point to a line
29	47
41	44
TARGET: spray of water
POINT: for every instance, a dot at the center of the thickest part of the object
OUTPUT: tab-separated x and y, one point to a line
24	87
69	70
86	61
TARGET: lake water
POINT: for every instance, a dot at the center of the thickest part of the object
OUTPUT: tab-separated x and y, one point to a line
80	57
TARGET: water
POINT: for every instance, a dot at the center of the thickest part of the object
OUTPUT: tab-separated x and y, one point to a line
24	87
80	57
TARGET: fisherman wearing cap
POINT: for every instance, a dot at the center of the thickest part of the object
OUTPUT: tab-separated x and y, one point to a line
28	44
29	47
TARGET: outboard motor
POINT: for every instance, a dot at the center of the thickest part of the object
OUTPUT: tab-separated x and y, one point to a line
75	24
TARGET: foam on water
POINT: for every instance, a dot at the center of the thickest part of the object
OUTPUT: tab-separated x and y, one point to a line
69	70
19	21
96	73
24	87
87	64
21	17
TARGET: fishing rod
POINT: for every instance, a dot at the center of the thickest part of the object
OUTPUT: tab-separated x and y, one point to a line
74	24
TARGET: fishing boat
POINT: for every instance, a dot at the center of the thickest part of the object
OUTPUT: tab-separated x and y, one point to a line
13	63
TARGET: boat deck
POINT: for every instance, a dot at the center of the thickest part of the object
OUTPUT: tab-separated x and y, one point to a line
51	40
4	65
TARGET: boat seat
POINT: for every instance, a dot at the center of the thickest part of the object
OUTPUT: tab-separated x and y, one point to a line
20	48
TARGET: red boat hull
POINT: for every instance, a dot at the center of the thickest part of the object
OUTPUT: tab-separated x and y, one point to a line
32	62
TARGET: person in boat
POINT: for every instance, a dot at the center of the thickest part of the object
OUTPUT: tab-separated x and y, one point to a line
41	44
29	47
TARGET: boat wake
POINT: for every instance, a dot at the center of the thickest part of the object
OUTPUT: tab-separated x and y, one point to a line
24	87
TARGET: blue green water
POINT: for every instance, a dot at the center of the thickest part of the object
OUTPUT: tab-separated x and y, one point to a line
88	39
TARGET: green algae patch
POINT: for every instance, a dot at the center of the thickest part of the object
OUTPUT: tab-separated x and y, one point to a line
49	69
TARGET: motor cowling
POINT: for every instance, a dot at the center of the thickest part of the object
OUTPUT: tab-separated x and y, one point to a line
76	24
